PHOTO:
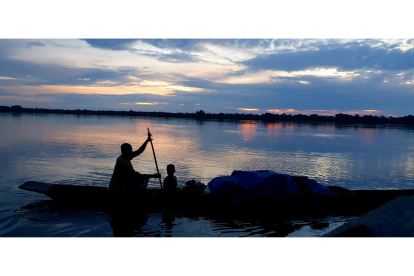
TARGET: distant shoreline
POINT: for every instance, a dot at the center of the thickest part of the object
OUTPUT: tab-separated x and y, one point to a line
201	115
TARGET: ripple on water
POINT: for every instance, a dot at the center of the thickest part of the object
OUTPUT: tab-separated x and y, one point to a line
8	220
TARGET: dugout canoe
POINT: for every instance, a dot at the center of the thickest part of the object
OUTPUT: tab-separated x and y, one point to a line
340	202
101	196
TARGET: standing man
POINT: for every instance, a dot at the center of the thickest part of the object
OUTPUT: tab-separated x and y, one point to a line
124	178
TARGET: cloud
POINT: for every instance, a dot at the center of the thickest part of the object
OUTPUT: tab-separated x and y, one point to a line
88	90
248	109
35	43
212	50
182	44
32	73
269	76
280	111
152	103
7	78
345	56
133	46
12	100
323	112
372	111
198	44
221	74
176	57
111	44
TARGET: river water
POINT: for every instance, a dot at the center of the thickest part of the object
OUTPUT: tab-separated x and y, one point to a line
82	150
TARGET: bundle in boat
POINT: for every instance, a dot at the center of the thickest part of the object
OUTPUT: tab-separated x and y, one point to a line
243	185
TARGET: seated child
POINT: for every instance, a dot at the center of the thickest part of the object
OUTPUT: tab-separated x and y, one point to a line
170	182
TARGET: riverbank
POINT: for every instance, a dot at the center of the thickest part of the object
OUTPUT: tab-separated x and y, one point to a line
201	115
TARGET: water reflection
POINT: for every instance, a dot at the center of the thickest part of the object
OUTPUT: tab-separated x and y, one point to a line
368	136
82	150
86	149
273	129
49	218
128	224
248	130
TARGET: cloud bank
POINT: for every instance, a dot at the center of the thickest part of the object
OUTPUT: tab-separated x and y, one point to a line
216	75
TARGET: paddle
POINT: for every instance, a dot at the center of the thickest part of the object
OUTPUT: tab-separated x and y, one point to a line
156	165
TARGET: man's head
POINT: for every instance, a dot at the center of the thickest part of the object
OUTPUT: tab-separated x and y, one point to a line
126	150
170	169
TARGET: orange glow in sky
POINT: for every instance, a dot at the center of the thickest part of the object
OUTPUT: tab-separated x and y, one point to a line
248	109
280	111
153	103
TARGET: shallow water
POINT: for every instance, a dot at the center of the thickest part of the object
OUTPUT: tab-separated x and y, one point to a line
72	149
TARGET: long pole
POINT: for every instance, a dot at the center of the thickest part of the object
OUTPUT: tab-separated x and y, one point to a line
153	151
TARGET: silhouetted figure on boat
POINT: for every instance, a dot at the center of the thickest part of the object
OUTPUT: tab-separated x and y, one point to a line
124	178
170	182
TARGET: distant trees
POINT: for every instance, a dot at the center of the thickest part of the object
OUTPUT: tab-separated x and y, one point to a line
202	115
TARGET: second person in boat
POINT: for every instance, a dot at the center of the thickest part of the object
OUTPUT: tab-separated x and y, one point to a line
170	182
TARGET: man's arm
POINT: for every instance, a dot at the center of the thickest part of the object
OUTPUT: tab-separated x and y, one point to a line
141	149
155	175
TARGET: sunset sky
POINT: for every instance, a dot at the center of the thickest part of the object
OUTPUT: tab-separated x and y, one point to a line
307	76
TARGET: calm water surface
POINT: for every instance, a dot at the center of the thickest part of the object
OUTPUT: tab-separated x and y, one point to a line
71	149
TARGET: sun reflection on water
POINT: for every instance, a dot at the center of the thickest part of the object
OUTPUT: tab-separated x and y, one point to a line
248	130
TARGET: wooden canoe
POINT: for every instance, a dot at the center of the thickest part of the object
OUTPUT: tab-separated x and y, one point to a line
340	202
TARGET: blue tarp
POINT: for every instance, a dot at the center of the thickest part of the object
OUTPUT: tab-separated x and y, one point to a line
317	188
242	184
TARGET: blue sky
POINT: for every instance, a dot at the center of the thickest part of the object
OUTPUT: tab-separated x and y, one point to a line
307	76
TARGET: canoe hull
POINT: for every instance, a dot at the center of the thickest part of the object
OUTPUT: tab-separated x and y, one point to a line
357	202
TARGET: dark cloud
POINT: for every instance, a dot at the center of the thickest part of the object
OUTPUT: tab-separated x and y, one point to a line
175	57
32	73
182	48
182	44
285	42
111	44
6	45
201	83
320	94
236	73
30	44
243	43
198	44
349	56
125	44
62	45
29	73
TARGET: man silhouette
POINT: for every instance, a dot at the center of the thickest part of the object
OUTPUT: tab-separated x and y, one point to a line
124	178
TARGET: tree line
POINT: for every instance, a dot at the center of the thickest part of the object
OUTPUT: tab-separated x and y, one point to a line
201	115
